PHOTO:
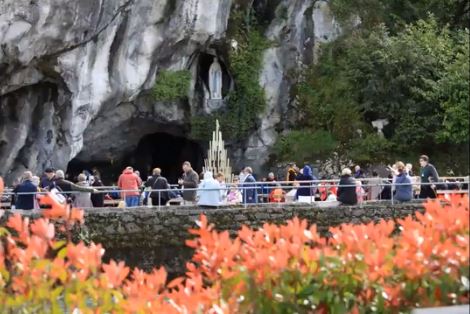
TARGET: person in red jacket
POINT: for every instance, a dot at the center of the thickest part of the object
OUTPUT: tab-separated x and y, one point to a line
277	195
130	183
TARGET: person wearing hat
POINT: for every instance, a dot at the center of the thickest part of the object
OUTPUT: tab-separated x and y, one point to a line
48	179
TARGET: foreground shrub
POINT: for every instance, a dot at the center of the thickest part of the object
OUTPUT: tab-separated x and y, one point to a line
276	269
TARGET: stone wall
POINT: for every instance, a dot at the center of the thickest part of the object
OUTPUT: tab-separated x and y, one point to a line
147	237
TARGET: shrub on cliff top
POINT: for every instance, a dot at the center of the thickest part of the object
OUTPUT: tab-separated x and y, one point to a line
275	269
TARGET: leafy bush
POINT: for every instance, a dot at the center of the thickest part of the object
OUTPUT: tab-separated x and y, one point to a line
172	85
395	14
304	145
362	149
40	274
416	78
361	269
453	91
275	269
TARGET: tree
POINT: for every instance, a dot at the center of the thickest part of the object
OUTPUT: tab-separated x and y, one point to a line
397	13
416	78
305	145
453	94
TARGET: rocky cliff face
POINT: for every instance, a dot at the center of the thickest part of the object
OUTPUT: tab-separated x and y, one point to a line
75	75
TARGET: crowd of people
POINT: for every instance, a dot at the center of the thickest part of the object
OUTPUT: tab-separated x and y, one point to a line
82	194
210	190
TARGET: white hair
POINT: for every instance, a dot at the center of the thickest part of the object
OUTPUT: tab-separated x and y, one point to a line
60	174
27	175
35	180
346	172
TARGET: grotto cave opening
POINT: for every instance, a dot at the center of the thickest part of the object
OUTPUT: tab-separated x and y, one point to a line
160	149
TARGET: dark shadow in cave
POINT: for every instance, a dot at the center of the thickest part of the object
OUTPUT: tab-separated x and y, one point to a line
161	150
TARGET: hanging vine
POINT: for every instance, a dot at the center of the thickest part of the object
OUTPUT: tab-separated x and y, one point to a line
247	100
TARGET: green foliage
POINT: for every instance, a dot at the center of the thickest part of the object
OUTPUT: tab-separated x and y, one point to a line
453	94
247	100
305	145
397	13
203	126
172	85
370	148
397	80
417	79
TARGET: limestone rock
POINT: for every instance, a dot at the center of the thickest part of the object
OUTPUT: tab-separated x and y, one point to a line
297	30
75	75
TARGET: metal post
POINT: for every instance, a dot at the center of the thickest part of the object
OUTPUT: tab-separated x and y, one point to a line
159	198
310	192
244	198
392	191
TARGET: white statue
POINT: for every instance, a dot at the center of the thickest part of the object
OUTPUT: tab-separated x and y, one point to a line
215	80
379	125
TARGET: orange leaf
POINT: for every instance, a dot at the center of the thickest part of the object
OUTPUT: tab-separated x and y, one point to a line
42	228
15	222
115	273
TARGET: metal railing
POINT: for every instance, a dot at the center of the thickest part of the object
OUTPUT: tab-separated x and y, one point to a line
261	190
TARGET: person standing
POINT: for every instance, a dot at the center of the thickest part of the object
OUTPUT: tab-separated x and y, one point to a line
360	192
158	182
347	188
66	187
403	189
48	179
234	195
220	177
291	172
277	195
306	190
428	175
270	184
189	181
130	183
250	194
209	191
358	172
25	192
83	199
409	169
375	187
97	199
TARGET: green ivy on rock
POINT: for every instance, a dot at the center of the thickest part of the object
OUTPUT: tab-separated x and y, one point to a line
247	101
172	85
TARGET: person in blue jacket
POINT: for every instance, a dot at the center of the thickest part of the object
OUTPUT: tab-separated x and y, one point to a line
250	194
306	188
403	187
25	201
